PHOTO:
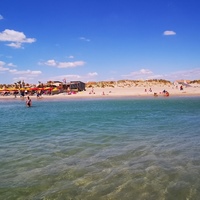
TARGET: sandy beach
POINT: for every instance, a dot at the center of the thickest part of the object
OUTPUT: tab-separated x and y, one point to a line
120	92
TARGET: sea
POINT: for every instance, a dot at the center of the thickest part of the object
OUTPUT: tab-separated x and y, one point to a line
100	149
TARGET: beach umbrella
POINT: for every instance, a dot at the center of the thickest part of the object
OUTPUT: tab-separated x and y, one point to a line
48	88
35	88
55	89
12	89
5	90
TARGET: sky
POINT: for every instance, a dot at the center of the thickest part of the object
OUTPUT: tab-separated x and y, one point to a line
99	40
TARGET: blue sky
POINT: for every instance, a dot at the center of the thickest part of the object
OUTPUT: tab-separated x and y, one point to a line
96	40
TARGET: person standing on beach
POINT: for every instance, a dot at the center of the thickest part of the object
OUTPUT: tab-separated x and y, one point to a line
28	102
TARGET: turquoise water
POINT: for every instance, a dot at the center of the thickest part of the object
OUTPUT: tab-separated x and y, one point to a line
101	149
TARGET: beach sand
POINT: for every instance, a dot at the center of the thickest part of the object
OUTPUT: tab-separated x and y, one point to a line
120	92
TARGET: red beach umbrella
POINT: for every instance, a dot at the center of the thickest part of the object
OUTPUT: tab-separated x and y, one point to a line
35	88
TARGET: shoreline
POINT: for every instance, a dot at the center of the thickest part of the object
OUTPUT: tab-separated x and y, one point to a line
116	93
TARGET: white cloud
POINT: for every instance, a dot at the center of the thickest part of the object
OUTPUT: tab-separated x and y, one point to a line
18	74
16	45
84	39
51	63
12	71
2	63
75	77
16	38
25	72
141	74
70	64
1	17
26	75
71	57
192	74
68	77
156	76
24	78
11	65
145	71
54	63
145	74
35	72
169	33
92	74
3	69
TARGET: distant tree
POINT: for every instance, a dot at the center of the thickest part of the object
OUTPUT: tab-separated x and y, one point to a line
23	84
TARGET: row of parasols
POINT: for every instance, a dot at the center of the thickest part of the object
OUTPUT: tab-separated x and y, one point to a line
29	89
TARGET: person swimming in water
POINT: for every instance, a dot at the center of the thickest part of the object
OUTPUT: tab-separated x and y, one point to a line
28	102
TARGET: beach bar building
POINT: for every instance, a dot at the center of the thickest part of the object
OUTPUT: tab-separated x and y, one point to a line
74	86
77	86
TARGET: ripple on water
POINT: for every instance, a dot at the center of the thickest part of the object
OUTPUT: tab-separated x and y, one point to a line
101	149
